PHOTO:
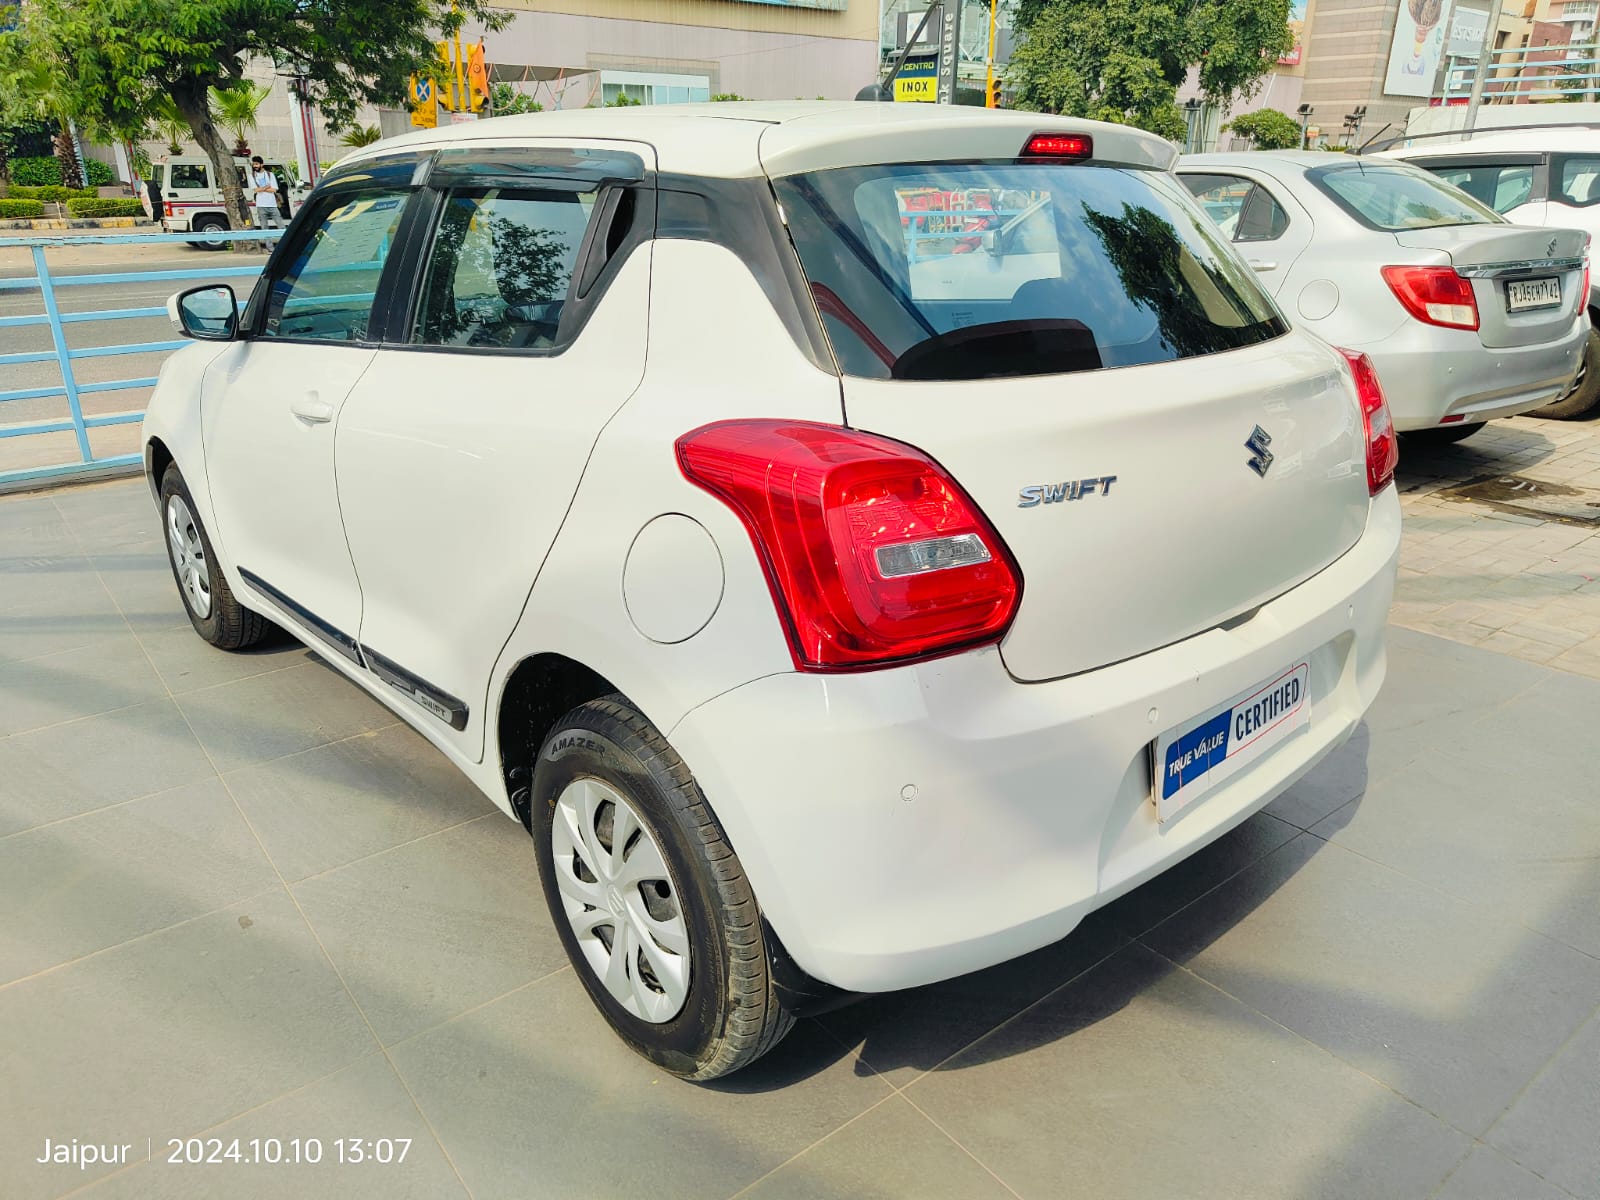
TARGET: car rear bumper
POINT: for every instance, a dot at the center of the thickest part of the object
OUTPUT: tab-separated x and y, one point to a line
175	224
1429	373
913	824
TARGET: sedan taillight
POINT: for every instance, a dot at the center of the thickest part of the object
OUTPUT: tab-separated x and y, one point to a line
1436	295
874	554
1383	444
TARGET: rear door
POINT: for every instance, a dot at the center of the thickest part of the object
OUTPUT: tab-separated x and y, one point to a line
460	450
1078	347
1264	223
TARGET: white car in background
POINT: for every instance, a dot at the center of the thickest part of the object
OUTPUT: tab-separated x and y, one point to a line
856	540
1547	176
1465	316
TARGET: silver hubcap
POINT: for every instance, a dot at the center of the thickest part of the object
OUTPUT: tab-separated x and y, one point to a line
620	900
189	557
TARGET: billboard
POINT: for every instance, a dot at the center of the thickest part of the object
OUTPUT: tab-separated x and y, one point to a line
1297	26
1414	53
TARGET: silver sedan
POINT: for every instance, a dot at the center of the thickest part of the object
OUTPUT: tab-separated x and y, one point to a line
1465	316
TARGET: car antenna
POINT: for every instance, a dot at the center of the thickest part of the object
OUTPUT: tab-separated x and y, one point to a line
885	90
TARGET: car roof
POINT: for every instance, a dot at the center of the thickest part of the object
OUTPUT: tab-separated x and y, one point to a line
738	139
1490	142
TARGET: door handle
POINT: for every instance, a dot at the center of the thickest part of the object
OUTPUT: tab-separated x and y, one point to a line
1259	264
172	195
311	410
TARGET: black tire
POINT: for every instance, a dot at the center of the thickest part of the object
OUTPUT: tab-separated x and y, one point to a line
1584	395
228	625
210	225
1443	435
731	1015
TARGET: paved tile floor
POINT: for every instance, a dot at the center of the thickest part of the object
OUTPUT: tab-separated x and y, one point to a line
237	900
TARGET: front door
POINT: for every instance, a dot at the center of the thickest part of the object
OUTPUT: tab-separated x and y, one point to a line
460	450
269	424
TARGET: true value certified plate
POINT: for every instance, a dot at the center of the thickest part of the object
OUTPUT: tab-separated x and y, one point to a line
1533	293
1187	762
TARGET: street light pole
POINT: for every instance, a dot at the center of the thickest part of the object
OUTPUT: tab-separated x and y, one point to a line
1485	54
988	79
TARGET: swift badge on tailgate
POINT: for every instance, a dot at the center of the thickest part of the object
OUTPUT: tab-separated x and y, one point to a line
1072	489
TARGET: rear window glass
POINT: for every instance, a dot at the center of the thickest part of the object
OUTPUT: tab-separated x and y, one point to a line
973	271
1393	198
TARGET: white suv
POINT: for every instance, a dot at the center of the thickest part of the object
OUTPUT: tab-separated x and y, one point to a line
857	541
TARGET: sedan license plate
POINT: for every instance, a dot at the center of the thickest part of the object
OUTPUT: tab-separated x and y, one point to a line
1189	761
1533	293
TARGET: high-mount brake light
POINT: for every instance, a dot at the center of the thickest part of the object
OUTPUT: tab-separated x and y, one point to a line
1383	443
1435	295
873	553
1069	146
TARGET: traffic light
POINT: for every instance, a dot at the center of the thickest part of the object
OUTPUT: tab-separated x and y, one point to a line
993	100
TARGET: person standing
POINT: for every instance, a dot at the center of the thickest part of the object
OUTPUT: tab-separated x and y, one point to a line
264	213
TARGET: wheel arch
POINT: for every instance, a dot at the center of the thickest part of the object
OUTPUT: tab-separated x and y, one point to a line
540	690
157	458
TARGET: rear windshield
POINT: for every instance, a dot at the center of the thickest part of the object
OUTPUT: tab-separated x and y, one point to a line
1393	197
974	271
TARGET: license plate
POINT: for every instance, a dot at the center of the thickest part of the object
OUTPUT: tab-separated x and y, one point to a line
1533	293
1195	757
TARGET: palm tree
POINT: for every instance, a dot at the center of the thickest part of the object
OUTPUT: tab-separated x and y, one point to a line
169	123
236	108
361	135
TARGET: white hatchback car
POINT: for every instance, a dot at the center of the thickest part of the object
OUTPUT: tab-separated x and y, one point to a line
1465	317
677	473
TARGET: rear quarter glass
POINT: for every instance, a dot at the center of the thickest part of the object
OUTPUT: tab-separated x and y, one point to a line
1394	197
951	271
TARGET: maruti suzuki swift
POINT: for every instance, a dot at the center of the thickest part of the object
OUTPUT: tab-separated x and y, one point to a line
856	541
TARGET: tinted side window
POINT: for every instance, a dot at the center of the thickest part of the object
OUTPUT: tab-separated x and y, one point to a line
500	269
1502	188
1263	218
1577	180
187	175
325	291
1245	211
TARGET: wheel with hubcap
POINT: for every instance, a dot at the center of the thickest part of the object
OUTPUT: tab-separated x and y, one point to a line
1584	394
648	898
207	598
210	225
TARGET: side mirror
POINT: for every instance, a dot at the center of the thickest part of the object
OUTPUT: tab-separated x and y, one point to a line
209	313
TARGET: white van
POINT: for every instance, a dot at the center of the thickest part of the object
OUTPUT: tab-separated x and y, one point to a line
192	203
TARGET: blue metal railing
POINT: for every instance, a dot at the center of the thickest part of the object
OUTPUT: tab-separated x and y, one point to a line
64	357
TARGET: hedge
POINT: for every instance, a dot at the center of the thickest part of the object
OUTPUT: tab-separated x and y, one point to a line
53	193
20	208
109	207
46	172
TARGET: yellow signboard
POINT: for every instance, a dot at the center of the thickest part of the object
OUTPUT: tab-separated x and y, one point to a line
424	96
921	89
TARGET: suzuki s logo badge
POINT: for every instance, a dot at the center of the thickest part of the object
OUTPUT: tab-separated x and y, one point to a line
1260	456
1551	248
1071	489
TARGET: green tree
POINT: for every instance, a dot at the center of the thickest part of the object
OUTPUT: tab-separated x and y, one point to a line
506	101
168	123
358	136
119	55
1267	129
236	108
1122	60
35	87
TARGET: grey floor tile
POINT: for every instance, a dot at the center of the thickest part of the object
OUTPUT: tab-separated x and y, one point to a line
66	770
1147	906
540	1071
329	806
1433	687
1554	1127
284	712
351	1113
139	579
852	1164
169	1034
1435	997
186	663
113	673
30	525
1329	786
426	931
79	886
1486	1175
903	1034
54	603
1518	832
1139	1080
107	518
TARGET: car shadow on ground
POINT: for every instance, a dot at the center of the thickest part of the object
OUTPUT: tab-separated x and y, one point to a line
948	1025
1426	464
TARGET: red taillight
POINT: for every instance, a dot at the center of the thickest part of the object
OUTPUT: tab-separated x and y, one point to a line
1436	295
1383	444
1058	145
1583	292
874	554
167	208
